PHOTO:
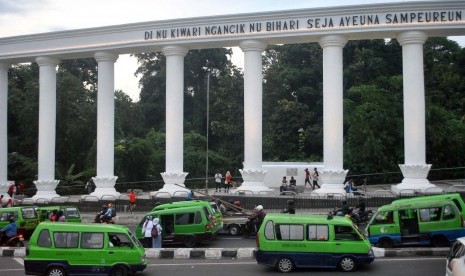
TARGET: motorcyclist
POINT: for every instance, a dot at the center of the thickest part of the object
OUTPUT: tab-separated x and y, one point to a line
256	219
345	208
9	231
109	214
101	213
290	207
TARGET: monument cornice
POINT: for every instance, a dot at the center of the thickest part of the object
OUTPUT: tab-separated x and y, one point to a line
384	20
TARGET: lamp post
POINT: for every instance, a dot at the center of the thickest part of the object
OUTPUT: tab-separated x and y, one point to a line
208	119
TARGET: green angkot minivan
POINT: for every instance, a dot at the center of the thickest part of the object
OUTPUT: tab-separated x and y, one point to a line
288	241
183	225
26	218
423	222
65	248
71	213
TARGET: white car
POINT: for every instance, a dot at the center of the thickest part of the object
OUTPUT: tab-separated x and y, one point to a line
455	265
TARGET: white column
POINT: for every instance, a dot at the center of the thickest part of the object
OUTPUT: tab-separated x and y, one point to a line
174	175
46	182
415	169
105	179
333	174
253	173
4	183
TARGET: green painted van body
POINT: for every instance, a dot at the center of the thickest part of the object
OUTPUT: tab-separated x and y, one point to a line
26	218
424	222
455	197
183	225
218	221
83	249
71	213
288	241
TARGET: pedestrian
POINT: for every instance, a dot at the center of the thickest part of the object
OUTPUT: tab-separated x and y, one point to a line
283	187
21	188
132	201
293	184
147	230
218	177
60	216
11	189
53	216
307	178
315	177
156	241
227	182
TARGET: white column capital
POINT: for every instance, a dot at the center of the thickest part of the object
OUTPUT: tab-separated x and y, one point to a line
106	56
332	40
174	50
412	37
252	45
5	65
44	61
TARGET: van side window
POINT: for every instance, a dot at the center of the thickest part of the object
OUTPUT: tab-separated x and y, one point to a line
430	214
119	240
29	213
6	215
448	212
184	219
269	232
293	232
92	240
317	232
198	218
385	217
66	239
44	239
345	233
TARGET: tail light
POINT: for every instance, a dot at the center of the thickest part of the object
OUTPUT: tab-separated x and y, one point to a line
257	240
461	219
214	221
208	226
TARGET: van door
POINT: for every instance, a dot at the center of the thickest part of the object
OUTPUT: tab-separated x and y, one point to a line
121	249
93	253
409	228
346	239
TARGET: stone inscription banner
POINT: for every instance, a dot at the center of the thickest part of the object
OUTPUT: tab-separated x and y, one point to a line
309	24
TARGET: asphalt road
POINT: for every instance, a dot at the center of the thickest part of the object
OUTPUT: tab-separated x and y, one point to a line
423	266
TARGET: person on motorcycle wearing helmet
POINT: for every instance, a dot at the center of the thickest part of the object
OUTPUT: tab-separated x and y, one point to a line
345	208
258	216
290	207
361	205
9	231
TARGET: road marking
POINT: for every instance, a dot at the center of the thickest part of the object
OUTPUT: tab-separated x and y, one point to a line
194	264
19	260
402	259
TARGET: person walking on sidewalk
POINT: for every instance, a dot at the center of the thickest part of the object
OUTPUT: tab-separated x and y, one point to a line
307	178
147	230
132	201
156	241
218	177
227	182
315	177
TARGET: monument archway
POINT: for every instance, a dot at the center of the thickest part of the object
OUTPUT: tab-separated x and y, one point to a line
410	23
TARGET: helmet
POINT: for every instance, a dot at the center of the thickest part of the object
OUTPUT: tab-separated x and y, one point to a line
11	219
259	207
237	203
290	202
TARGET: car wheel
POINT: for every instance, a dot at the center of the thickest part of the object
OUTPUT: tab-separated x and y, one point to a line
347	264
56	271
439	241
190	241
234	230
285	265
385	243
18	244
119	270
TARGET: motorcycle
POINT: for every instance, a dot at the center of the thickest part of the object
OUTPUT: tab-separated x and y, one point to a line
16	241
336	212
250	228
363	217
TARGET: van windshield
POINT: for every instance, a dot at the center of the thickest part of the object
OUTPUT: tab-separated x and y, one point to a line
72	213
29	213
134	239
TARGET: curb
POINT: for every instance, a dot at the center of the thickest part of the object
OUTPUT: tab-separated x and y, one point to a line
245	253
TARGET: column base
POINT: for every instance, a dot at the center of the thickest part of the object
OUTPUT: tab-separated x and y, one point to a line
174	184
332	183
253	181
46	189
415	180
105	186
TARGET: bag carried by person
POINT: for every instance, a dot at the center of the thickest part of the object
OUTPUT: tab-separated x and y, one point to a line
154	231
